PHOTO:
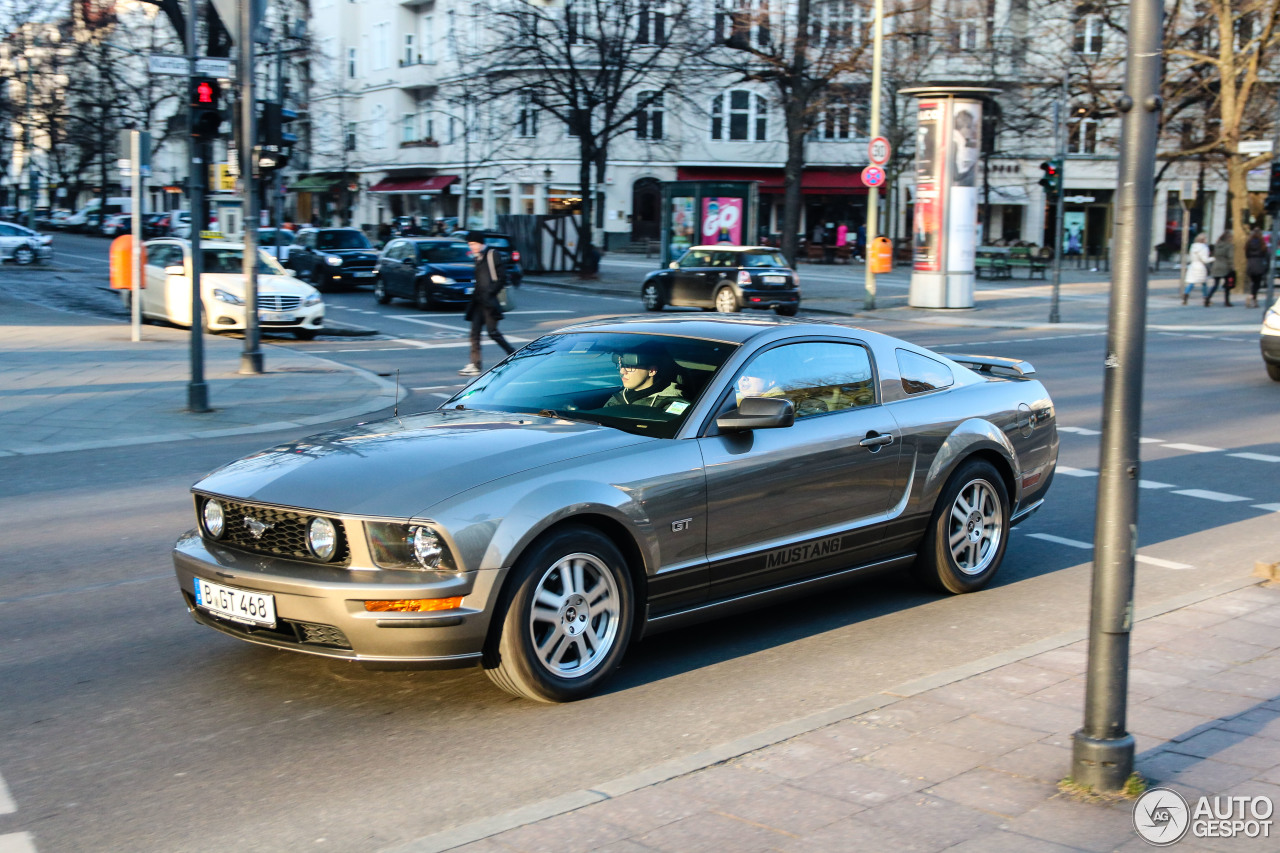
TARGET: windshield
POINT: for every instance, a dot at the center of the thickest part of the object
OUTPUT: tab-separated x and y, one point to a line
762	259
445	253
641	384
342	240
232	261
268	236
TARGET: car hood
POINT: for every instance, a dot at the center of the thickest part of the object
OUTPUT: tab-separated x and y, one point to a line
457	272
400	467
231	282
351	254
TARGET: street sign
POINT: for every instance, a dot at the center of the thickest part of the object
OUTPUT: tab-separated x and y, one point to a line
1254	146
873	176
161	63
879	151
213	66
1078	199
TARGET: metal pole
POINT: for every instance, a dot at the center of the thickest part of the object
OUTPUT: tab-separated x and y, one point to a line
197	391
1183	194
1060	145
32	180
1102	750
1275	229
251	356
135	261
873	194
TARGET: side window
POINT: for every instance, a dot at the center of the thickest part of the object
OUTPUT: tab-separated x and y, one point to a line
395	251
816	377
724	259
697	259
7	231
161	256
921	373
308	240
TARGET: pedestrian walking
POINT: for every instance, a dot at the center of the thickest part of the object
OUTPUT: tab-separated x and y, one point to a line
491	276
1198	262
1256	264
1222	269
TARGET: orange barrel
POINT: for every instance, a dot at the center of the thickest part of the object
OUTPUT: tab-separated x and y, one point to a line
122	263
881	257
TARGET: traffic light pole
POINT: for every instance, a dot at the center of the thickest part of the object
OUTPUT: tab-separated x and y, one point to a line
1275	224
197	391
873	195
251	357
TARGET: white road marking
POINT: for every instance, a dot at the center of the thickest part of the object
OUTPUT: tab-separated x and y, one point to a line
1152	484
441	394
1268	507
1194	448
435	387
1151	441
1220	497
17	842
1079	430
1075	472
1059	540
510	313
7	805
1255	457
462	330
1164	564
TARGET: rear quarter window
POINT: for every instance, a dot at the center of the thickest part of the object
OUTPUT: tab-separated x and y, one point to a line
921	374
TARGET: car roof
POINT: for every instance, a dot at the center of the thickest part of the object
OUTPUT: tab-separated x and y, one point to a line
721	247
730	329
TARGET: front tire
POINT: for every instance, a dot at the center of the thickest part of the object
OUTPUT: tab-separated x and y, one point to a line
727	301
651	296
24	255
422	298
567	619
1273	370
380	292
968	532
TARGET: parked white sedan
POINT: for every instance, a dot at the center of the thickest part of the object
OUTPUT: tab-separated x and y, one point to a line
284	303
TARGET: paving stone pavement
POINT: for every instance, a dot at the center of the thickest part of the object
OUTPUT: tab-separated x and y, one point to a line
967	761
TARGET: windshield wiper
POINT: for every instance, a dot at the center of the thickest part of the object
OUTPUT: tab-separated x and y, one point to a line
566	415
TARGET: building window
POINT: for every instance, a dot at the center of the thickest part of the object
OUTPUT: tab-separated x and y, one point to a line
409	57
968	22
836	24
1082	136
408	127
428	126
381	46
526	118
578	22
837	120
649	115
1088	31
428	38
736	114
578	119
651	27
349	141
351	63
378	127
742	23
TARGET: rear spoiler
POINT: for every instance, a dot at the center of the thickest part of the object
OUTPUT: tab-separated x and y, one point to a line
994	365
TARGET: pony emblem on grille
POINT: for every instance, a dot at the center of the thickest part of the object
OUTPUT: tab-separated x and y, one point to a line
257	528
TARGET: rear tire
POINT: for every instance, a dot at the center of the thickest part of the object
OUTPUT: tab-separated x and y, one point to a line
380	292
651	296
968	532
567	618
1273	370
727	301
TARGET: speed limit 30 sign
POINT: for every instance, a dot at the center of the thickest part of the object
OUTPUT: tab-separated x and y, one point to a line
878	150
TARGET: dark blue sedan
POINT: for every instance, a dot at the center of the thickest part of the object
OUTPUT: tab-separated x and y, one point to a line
432	272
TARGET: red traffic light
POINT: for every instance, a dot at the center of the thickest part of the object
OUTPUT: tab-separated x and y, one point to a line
204	93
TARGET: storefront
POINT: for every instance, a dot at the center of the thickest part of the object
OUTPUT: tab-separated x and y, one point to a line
830	195
423	197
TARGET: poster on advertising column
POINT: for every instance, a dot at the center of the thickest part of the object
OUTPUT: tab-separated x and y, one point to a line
964	149
930	194
722	220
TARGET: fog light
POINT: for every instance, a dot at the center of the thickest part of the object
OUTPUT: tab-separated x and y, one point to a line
426	546
322	538
413	605
214	519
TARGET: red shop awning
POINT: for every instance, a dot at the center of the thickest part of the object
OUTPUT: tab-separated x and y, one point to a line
435	183
812	181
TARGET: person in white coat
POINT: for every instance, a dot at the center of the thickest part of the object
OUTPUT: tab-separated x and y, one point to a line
1198	261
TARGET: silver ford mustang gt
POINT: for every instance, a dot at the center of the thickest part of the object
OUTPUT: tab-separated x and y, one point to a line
615	479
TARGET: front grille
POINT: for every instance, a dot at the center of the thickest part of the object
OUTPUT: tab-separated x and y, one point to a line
284	536
286	630
275	302
321	635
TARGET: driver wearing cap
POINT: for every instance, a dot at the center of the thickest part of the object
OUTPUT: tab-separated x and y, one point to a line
648	379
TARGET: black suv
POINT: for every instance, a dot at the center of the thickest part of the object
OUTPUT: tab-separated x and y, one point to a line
503	243
726	279
333	258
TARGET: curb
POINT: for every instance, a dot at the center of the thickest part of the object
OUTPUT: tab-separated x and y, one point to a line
485	827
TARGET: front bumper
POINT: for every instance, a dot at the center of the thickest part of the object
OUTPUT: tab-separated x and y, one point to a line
320	609
228	317
1271	349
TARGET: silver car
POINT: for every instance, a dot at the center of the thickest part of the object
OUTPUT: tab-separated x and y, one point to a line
22	245
616	479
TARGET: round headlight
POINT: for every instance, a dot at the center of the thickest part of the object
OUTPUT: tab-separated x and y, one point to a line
322	538
426	547
215	521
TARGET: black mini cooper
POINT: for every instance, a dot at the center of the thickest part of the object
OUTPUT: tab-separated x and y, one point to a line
725	279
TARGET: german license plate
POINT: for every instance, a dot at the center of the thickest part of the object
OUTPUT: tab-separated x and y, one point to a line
238	605
364	274
276	316
775	279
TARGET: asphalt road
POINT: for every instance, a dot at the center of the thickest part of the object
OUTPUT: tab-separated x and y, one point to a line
126	726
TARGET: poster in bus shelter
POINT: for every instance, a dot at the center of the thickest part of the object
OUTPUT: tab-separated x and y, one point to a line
931	196
722	220
682	226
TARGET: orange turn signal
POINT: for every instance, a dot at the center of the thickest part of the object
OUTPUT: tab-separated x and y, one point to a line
413	605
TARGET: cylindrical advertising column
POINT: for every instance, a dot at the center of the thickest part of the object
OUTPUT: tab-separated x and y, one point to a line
945	230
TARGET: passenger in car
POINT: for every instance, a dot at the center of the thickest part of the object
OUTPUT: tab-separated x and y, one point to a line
648	379
756	386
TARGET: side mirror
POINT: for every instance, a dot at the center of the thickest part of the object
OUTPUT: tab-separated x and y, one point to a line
758	413
674	265
175	270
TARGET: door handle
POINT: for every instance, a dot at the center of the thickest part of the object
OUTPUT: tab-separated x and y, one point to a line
876	441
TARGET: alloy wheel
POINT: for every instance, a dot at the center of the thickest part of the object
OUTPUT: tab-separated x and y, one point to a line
575	616
976	527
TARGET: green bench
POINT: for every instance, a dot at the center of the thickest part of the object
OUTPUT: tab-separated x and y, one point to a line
993	265
1022	257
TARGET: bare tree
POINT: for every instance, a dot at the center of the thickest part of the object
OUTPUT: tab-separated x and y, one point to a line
597	67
